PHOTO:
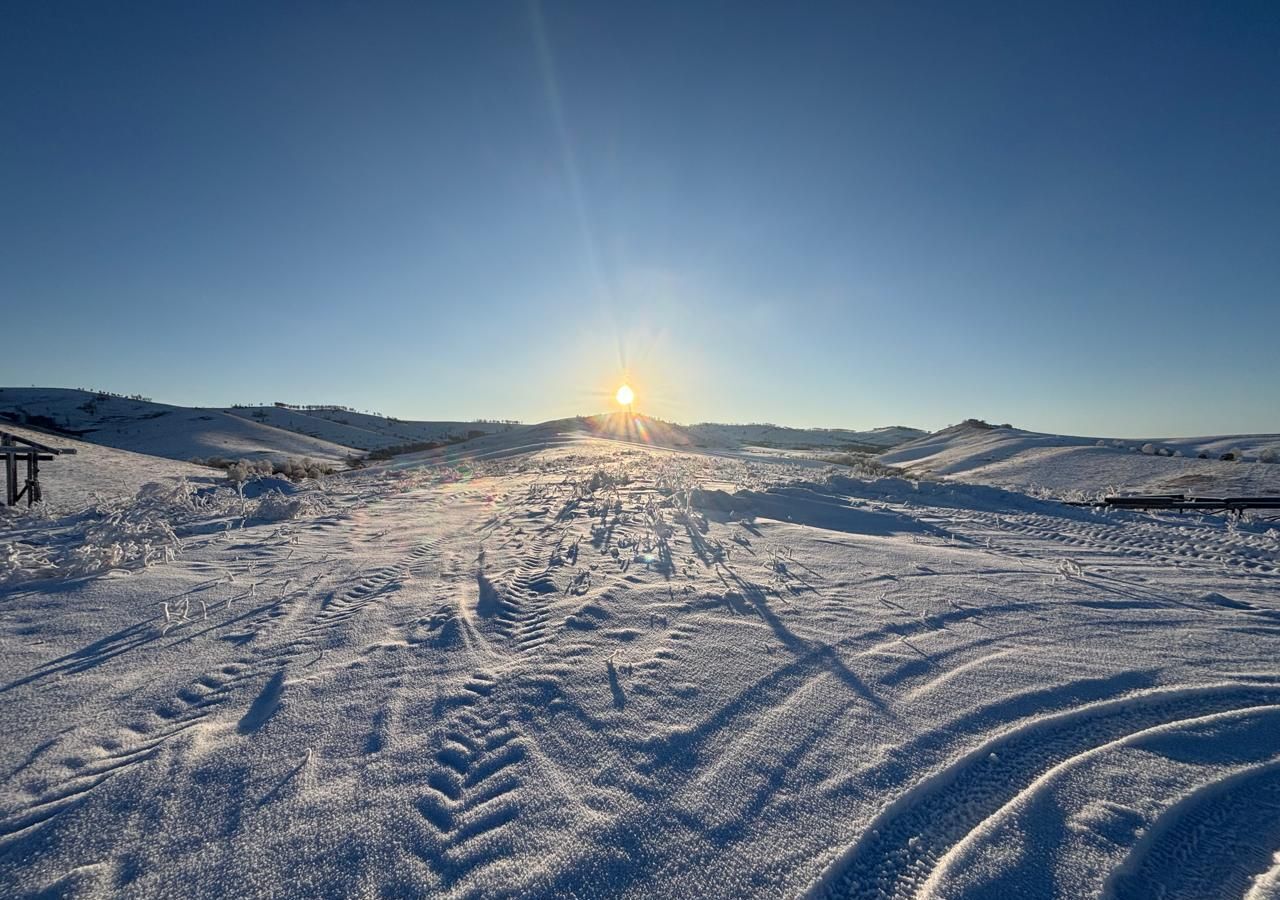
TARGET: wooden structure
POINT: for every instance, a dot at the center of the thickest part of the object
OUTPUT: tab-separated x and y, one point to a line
12	450
1183	503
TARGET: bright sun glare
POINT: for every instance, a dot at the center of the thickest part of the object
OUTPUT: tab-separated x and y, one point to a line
625	395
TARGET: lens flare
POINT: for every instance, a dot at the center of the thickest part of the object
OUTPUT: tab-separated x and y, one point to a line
625	396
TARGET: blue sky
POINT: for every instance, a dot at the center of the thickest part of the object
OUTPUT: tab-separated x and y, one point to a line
1066	216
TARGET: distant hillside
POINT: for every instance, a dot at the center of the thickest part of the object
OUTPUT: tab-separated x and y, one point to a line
333	434
158	429
180	432
1012	458
363	431
765	435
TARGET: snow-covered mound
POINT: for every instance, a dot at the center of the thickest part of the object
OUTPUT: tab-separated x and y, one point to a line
595	668
1024	460
158	429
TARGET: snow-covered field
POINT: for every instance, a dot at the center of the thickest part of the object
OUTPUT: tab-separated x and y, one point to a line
559	665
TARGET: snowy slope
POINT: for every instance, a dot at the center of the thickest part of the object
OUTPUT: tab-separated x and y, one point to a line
158	429
562	665
1021	460
360	430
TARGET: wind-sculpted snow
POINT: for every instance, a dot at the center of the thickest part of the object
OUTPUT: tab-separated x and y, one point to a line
575	666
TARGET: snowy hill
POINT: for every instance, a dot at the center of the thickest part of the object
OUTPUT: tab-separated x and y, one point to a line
334	434
363	431
158	429
1021	460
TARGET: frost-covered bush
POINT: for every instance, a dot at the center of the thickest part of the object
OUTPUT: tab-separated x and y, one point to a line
1102	442
293	469
298	469
1269	455
1149	449
864	465
276	507
137	533
243	470
124	534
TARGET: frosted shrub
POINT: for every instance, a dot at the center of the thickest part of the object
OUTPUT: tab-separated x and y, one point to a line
276	507
243	470
298	469
1149	449
293	469
1269	455
119	535
864	465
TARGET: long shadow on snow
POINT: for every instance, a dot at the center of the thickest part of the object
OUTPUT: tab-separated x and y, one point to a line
809	506
755	595
92	655
681	749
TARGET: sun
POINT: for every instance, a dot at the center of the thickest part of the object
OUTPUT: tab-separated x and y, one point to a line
625	396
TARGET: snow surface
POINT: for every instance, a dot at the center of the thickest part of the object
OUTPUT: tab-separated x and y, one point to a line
557	663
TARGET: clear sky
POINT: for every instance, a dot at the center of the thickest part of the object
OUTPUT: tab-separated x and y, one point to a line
1063	215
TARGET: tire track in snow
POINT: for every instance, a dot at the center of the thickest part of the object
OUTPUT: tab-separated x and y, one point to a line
200	700
476	786
352	600
1195	544
94	764
1051	796
904	844
1213	842
524	617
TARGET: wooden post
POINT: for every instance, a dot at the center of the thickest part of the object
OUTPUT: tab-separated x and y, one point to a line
10	473
33	478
